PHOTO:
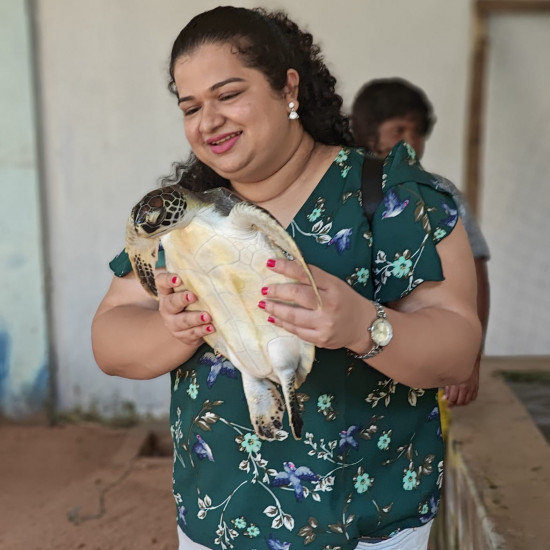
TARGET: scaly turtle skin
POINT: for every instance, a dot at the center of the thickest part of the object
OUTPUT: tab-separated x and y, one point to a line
219	245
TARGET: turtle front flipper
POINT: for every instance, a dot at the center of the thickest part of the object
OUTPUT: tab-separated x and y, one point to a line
143	254
248	216
265	405
156	214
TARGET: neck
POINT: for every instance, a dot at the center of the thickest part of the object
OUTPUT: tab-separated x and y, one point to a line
293	169
284	193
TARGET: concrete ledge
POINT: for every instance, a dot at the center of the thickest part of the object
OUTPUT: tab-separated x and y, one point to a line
498	476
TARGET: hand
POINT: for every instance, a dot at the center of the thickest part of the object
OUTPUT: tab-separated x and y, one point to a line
189	327
464	393
339	322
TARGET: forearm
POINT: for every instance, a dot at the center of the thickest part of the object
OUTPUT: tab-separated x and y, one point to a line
483	296
431	347
131	341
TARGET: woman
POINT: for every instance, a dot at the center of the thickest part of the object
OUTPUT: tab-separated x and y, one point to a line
262	118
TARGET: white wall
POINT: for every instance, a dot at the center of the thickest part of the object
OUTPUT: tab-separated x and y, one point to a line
516	192
23	338
111	129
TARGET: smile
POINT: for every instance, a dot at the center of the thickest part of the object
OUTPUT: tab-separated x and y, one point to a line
223	139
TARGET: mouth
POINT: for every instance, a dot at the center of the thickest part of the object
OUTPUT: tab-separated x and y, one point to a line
219	140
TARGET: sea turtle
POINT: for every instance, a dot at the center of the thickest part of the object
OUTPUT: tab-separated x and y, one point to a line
219	245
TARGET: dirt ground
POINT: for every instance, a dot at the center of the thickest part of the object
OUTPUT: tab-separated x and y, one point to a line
83	487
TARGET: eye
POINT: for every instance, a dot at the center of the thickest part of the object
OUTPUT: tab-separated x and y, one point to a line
188	111
229	95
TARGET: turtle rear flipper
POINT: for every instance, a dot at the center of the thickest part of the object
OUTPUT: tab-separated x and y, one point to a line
265	405
284	358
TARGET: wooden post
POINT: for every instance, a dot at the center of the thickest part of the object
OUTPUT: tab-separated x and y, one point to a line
476	110
482	11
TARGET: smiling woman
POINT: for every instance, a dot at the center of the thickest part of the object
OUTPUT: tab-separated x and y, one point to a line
263	119
234	121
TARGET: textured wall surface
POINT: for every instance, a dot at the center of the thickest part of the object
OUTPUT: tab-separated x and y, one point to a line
23	340
516	191
110	129
497	485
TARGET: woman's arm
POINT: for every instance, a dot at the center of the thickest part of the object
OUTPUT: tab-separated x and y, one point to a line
464	393
436	329
135	336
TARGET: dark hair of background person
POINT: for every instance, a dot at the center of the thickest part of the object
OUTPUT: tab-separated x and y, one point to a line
271	43
386	98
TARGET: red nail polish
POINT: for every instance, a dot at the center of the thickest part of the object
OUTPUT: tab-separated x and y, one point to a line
270	320
270	263
187	296
174	280
203	317
209	328
261	304
265	290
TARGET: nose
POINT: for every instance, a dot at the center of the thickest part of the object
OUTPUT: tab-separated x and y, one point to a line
211	118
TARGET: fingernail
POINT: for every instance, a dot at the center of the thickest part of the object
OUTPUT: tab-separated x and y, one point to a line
203	317
174	280
209	328
270	263
265	290
270	320
261	304
187	296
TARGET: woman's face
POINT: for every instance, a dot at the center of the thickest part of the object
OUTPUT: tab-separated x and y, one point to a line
234	121
393	130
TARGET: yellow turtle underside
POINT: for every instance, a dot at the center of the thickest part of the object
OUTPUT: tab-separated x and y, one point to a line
226	268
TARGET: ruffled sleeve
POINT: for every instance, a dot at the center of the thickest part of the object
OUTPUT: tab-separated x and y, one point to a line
412	218
120	265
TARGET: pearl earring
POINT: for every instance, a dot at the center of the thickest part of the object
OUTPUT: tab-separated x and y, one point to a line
293	115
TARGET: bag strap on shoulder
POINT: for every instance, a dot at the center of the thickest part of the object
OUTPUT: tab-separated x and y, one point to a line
371	185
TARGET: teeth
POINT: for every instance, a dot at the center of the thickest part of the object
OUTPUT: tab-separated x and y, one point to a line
224	139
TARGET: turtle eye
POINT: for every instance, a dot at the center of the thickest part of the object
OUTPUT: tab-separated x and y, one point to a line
152	216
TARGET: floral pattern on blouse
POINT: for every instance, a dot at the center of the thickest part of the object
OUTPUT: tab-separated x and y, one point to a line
370	462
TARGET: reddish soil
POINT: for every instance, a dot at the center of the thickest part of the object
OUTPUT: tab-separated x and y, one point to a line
83	487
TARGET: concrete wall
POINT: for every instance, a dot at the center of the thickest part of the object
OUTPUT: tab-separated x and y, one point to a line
516	192
23	339
111	129
497	474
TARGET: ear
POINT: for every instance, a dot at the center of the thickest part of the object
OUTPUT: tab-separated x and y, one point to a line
290	91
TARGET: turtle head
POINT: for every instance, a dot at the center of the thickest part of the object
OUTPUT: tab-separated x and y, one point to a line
159	211
155	214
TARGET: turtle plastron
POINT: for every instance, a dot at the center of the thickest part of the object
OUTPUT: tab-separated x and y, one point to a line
219	246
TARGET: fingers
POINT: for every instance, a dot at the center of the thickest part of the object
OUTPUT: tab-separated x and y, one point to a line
294	270
187	326
301	292
461	394
166	283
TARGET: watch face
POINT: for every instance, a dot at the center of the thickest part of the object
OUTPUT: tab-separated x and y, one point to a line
381	332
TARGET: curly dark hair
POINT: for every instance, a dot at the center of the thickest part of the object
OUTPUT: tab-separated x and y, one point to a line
384	98
271	43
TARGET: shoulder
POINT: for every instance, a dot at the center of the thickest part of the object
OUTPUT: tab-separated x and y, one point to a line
478	243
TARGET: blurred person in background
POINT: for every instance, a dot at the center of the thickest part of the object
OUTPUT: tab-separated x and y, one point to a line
386	111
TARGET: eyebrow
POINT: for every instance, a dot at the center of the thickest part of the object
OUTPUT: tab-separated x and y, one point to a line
213	88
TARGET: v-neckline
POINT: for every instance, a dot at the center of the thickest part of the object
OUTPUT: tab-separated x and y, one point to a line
314	189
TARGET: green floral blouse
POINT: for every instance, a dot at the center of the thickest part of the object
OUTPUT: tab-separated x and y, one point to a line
371	459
